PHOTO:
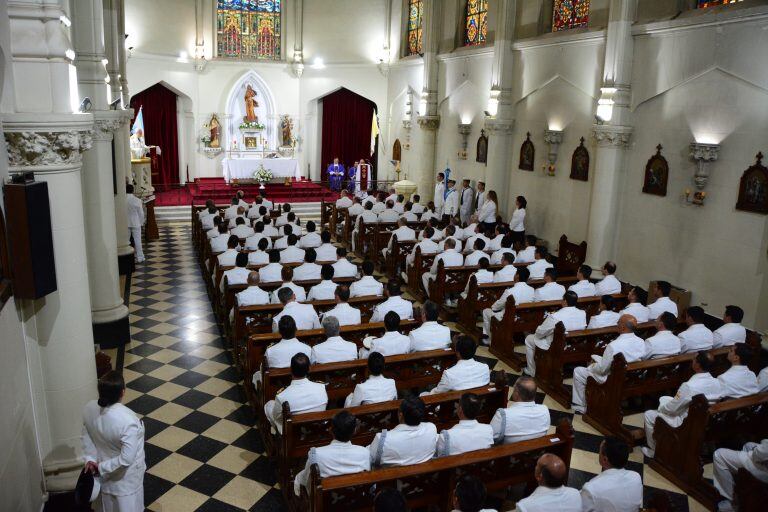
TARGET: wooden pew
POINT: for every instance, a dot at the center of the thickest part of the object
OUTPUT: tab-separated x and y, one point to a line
681	452
749	492
396	257
429	484
421	263
326	209
570	256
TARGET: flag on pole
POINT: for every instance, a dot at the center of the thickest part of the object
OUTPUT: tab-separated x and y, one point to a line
138	124
374	132
447	173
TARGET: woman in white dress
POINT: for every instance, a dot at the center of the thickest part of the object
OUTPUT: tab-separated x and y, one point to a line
517	222
487	213
113	445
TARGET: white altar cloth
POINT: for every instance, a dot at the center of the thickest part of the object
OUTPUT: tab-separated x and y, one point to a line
243	168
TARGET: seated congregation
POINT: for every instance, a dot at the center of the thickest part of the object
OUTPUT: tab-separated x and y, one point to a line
367	399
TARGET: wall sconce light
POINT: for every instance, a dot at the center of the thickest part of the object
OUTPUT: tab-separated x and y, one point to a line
464	131
703	154
554	138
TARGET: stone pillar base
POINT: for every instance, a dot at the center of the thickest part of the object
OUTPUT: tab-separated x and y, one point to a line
125	264
112	334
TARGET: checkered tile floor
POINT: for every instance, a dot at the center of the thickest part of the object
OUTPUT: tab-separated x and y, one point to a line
202	450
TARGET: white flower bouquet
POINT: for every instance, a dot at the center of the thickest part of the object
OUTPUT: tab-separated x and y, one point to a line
262	175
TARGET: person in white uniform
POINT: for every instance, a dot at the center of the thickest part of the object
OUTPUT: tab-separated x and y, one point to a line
279	355
408	214
343	312
517	222
342	267
673	410
551	290
467	200
376	388
662	302
335	348
636	305
521	291
392	343
506	247
552	494
480	196
731	332
528	252
367	285
540	263
395	302
292	254
473	258
304	315
411	442
451	206
506	274
237	275
344	201
341	457
326	251
615	488
608	285
136	219
739	381
273	271
220	241
573	319
664	343
241	229
583	287
403	234
367	217
762	380
260	256
606	317
439	199
523	418
309	270
697	336
389	214
469	495
325	289
468	434
627	343
251	296
450	258
467	373
302	394
287	282
417	208
113	447
726	463
312	238
430	335
426	246
482	275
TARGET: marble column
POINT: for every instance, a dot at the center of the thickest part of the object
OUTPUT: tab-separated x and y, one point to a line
45	137
612	133
109	313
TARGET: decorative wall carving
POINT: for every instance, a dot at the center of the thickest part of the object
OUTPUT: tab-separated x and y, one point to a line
527	154
28	148
656	174
482	148
397	151
753	188
580	163
610	135
429	122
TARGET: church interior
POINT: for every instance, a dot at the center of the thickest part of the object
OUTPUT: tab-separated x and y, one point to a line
533	196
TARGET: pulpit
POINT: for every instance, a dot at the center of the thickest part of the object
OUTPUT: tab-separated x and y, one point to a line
142	173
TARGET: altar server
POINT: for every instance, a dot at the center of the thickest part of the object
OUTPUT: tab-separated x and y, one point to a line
302	394
616	488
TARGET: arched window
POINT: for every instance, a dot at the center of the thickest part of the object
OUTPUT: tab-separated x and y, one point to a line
248	29
568	14
415	22
703	4
476	22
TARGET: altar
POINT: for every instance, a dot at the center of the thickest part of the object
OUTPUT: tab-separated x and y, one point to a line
243	168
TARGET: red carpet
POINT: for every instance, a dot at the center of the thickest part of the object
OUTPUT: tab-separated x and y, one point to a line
222	192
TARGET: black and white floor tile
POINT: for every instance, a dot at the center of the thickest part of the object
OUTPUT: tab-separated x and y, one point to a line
203	451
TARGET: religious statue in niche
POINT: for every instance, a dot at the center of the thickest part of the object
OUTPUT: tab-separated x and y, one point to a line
286	126
753	188
214	126
656	174
250	105
527	154
580	163
482	148
397	151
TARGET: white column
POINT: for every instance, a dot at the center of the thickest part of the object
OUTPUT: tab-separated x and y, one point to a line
44	136
612	133
428	118
109	313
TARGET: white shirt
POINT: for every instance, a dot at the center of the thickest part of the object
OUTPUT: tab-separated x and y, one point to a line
392	343
550	291
465	374
522	292
675	409
279	355
306	272
487	212
609	285
292	254
451	206
135	209
527	255
738	381
637	310
326	252
303	314
258	258
430	336
439	199
345	314
696	337
237	275
325	290
631	346
427	246
399	208
302	395
762	380
497	256
505	274
517	222
334	459
310	240
227	258
397	304
404	445
583	288
403	233
368	217
450	258
604	319
661	305
367	285
417	209
212	233
547	499
252	296
219	243
729	334
573	319
298	292
441	245
388	215
495	243
474	258
242	231
344	268
333	350
343	202
271	273
661	344
114	438
270	230
613	490
520	421
465	436
375	389
538	267
409	216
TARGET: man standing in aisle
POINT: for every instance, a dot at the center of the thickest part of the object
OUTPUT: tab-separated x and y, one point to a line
136	219
467	200
439	194
451	206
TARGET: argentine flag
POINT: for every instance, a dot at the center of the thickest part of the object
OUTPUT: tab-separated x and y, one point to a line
138	124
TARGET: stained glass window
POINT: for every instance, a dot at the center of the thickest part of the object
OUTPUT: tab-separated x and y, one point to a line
414	27
570	14
248	29
476	22
703	4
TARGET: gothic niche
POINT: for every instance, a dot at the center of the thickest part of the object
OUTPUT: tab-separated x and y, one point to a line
527	153
656	174
580	163
753	188
397	151
482	148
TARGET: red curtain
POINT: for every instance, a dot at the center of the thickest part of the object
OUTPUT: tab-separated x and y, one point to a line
346	129
160	128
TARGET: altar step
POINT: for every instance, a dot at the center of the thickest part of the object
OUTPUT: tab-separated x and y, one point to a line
166	214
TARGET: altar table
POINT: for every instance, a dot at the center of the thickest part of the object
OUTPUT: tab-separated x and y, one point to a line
243	168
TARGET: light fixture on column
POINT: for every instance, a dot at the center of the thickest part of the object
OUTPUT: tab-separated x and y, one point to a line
702	153
464	130
605	105
554	138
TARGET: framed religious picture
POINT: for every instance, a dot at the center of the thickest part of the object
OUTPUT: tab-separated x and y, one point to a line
580	163
656	174
482	148
753	188
527	154
397	151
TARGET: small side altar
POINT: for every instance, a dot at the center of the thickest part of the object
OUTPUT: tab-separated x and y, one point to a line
242	166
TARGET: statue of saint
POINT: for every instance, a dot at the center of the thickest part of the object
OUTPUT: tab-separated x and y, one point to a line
250	105
214	127
287	126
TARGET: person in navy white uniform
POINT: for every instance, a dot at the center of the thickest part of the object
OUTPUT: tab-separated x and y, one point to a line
451	206
113	447
302	394
663	302
731	332
335	348
551	290
726	464
606	316
552	494
366	285
573	319
523	418
394	302
468	434
392	343
468	496
431	335
467	373
136	219
664	343
608	285
522	293
739	381
376	388
697	336
343	312
616	488
413	441
636	305
304	315
583	287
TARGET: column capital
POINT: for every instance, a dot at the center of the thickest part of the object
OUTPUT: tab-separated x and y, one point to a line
431	123
612	135
52	143
499	126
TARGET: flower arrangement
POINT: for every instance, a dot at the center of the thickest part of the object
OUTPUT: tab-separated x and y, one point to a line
254	125
262	175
